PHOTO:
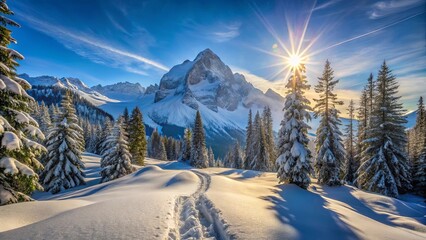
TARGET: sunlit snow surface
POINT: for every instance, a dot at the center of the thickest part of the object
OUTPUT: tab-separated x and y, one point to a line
169	200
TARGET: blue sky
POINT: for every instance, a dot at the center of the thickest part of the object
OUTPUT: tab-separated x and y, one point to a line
107	41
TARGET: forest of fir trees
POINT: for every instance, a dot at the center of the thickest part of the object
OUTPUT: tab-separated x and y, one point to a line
374	152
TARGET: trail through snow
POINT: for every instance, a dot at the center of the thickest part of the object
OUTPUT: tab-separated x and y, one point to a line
196	217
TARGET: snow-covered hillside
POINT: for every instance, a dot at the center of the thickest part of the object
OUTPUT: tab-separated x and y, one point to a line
170	200
73	84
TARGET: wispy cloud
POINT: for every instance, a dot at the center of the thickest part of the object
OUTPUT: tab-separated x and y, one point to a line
229	32
384	8
93	48
325	5
219	32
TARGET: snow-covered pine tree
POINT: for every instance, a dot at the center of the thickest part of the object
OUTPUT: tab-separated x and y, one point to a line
419	142
363	121
87	132
384	168
269	134
329	148
157	148
419	129
137	137
294	157
169	147
64	143
249	142
351	164
126	116
261	160
228	161
199	158
18	154
104	133
93	138
116	161
45	120
186	149
370	94
211	157
219	162
419	171
238	157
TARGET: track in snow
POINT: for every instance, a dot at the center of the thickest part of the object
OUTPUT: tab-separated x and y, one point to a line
196	217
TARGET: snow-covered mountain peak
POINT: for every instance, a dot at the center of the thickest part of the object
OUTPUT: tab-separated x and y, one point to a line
206	53
207	81
124	91
73	84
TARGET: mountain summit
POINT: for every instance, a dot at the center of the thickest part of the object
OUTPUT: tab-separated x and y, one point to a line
208	81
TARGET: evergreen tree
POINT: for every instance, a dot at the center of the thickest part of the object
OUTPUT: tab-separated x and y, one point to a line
186	149
261	160
384	168
211	158
43	118
249	143
419	142
370	94
363	120
157	149
116	161
199	158
18	153
411	145
419	172
137	137
238	158
104	133
419	130
350	162
294	164
269	134
228	161
169	148
126	117
63	165
330	151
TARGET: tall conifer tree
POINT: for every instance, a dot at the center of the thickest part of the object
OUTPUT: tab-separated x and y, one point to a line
249	142
294	157
137	137
116	161
18	153
329	147
384	168
269	134
65	143
199	158
351	165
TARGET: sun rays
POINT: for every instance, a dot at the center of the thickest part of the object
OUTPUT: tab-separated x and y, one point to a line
296	47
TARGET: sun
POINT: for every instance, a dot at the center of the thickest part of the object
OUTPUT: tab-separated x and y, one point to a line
294	61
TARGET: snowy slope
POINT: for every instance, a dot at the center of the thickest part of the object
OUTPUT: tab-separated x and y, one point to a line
138	206
73	84
170	200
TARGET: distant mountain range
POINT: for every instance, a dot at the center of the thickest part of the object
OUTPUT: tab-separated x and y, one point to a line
73	84
123	91
205	84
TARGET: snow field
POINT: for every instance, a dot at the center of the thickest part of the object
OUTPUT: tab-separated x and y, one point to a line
171	200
